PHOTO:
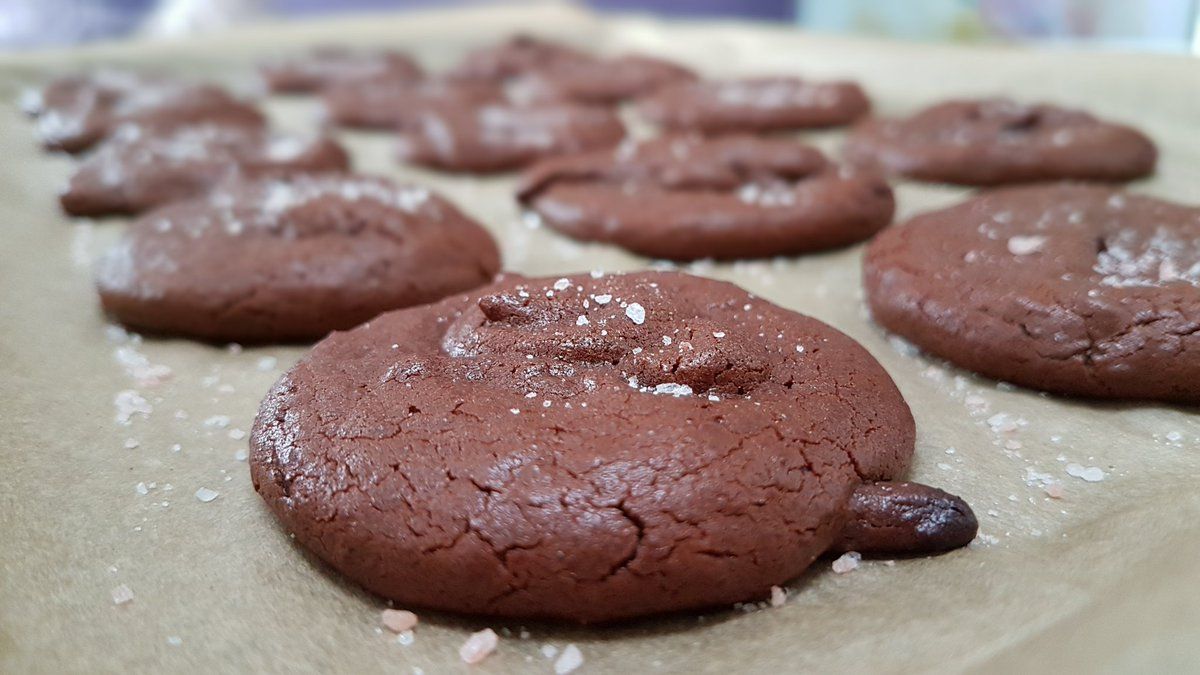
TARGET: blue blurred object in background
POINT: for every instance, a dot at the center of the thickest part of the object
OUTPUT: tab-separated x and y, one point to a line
1161	25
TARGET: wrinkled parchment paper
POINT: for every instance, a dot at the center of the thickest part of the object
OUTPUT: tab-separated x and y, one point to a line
1104	579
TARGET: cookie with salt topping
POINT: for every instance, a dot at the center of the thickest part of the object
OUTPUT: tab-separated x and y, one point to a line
1075	289
388	103
755	105
997	141
328	65
601	81
496	137
291	258
688	197
137	170
75	113
592	448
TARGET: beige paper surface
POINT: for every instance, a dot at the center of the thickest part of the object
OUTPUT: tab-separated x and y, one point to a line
1105	579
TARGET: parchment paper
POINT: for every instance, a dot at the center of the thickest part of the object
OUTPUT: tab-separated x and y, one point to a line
1105	579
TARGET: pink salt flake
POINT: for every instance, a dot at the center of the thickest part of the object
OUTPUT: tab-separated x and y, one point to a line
478	646
399	620
848	562
122	594
1055	491
778	596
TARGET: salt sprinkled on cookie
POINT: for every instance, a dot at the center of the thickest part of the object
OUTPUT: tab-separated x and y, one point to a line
478	646
636	313
1024	245
778	596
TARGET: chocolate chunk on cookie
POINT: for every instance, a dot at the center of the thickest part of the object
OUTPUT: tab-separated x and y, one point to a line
1073	289
755	105
75	113
134	171
996	141
601	81
329	65
389	103
518	55
688	197
493	138
589	448
291	258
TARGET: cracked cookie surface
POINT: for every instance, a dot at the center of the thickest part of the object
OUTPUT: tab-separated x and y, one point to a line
996	141
1074	289
291	258
589	448
688	197
136	170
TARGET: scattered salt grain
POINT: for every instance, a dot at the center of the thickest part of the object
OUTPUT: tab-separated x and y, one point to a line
848	562
570	659
549	651
478	646
129	403
603	299
666	340
206	495
1091	474
718	334
217	422
130	443
581	321
121	595
562	284
1055	491
673	389
237	434
174	640
141	489
398	620
778	596
1024	245
636	313
267	363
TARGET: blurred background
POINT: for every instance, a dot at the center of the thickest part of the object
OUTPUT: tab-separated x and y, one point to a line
1144	25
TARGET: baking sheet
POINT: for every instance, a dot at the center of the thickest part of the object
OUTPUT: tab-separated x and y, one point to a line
1104	579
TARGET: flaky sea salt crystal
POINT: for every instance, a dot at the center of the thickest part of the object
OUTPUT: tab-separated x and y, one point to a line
478	646
778	596
129	403
141	489
581	321
398	620
1091	474
121	595
237	434
240	455
549	651
267	363
562	284
636	313
570	659
1024	245
1003	422
673	389
217	422
847	562
206	495
603	299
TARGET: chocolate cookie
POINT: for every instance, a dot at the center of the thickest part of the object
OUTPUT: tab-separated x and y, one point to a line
134	171
1073	289
517	55
756	105
329	65
394	103
688	197
494	138
291	258
995	141
75	113
591	448
601	81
